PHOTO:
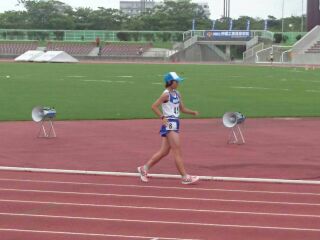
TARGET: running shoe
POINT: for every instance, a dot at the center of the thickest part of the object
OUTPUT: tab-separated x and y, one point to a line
143	174
190	179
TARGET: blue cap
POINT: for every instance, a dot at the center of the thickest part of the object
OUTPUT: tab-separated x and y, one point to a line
172	76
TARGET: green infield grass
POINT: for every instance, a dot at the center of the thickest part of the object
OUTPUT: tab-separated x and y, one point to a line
126	91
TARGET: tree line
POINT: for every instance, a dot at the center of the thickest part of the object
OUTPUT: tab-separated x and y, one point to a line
171	16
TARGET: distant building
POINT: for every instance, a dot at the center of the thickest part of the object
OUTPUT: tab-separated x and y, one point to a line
133	8
205	7
203	4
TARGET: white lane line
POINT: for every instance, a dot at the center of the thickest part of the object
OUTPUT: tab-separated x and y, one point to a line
159	208
158	222
313	91
84	234
261	88
157	197
165	176
309	81
76	76
123	82
106	81
104	76
93	80
158	187
7	76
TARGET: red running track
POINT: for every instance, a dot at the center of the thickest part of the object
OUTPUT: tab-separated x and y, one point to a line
41	206
57	206
275	148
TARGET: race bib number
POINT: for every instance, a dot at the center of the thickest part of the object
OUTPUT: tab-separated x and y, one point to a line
172	126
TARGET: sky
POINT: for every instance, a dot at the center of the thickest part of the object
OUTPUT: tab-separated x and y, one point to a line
253	8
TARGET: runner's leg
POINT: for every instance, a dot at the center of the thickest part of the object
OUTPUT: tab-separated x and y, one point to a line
174	142
164	151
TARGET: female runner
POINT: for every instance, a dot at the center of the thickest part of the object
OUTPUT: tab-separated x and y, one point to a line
172	105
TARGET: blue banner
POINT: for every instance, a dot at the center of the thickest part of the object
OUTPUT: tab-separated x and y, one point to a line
227	35
230	24
248	25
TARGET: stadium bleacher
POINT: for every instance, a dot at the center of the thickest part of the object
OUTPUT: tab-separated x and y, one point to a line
315	48
125	49
75	49
17	48
110	49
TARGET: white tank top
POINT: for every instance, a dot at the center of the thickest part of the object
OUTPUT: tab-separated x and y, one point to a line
171	109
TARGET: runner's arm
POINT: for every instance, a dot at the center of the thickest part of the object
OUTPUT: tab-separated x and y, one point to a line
185	110
155	106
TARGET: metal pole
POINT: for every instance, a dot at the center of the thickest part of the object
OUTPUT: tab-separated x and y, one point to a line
282	28
226	9
302	16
